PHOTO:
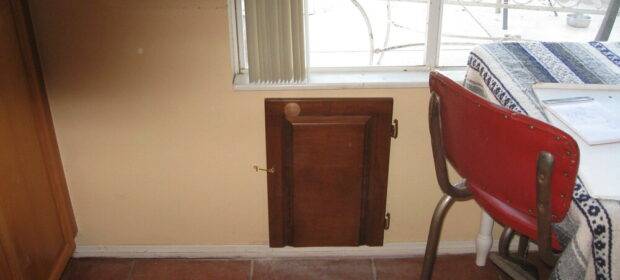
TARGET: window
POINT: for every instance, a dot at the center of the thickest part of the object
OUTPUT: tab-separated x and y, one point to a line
409	35
361	33
468	23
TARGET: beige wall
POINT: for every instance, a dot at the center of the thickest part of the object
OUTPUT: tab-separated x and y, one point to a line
158	148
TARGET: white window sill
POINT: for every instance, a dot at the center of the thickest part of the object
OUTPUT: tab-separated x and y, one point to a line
351	79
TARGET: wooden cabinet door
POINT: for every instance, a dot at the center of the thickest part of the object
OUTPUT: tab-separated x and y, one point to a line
330	161
37	227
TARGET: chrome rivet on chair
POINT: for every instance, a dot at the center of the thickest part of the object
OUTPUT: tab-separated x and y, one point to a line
568	153
531	127
558	138
505	116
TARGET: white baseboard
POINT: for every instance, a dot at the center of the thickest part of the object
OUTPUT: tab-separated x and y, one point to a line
263	251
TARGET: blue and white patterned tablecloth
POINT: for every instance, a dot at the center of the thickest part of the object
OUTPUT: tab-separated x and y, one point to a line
504	73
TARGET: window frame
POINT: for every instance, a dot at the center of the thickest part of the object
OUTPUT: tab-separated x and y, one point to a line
393	74
237	37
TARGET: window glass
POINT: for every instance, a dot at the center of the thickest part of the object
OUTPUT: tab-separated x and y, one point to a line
339	32
467	23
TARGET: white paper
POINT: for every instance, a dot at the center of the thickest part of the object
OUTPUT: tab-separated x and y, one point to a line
592	121
599	165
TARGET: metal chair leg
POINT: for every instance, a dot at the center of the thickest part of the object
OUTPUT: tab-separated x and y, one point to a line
516	266
433	235
504	241
523	246
513	270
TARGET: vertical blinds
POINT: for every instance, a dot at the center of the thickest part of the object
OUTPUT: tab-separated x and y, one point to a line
275	40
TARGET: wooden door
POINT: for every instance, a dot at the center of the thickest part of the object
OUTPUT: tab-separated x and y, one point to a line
330	161
37	227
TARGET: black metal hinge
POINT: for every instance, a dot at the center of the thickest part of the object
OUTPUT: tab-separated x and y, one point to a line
386	223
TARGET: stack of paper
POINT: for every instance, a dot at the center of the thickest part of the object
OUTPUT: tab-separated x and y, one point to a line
589	119
591	115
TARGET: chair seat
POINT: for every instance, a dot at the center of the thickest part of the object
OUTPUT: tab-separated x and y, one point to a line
507	215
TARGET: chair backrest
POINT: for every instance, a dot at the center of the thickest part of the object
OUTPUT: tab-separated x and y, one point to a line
496	151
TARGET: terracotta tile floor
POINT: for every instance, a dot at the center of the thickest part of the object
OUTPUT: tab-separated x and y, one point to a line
447	267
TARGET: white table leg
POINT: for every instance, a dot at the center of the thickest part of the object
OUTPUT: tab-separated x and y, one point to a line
485	239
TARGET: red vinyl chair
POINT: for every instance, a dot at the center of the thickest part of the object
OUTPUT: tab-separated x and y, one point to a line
519	170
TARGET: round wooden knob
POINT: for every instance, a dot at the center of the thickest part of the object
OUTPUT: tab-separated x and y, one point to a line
292	110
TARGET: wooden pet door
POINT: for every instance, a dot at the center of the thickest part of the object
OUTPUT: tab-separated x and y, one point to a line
327	165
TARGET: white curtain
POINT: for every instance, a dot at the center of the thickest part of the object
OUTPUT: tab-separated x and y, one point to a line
275	40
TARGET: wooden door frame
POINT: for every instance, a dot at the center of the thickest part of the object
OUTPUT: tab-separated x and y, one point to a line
45	134
46	131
